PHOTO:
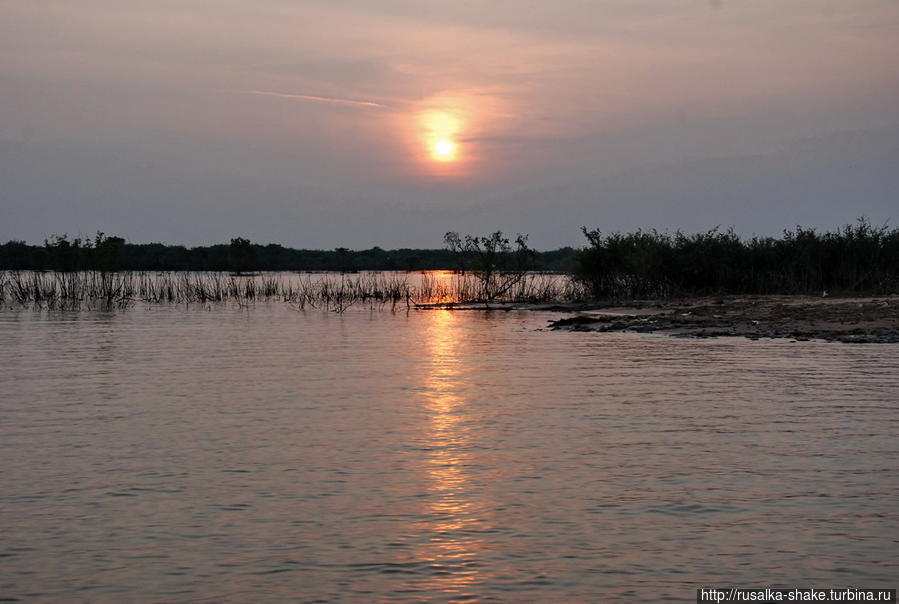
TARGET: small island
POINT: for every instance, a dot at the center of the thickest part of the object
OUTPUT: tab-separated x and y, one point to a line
860	320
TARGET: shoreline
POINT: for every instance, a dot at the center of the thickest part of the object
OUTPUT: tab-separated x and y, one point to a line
861	320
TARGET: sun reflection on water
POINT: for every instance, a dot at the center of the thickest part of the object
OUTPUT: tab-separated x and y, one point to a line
456	512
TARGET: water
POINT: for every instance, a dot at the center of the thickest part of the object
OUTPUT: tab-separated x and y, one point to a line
264	454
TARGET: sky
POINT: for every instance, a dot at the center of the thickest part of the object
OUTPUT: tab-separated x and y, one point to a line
353	123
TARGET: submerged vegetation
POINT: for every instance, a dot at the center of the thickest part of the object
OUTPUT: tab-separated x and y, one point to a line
93	274
492	261
334	292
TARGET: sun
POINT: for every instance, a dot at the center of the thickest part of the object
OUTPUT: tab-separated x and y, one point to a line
443	149
440	130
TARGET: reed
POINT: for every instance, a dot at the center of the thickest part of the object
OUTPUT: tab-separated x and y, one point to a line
330	292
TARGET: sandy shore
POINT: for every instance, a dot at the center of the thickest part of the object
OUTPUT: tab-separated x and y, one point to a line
858	320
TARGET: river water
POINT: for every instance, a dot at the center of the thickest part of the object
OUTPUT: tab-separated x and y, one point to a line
184	454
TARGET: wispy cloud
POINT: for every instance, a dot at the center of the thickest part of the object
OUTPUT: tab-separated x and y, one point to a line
314	99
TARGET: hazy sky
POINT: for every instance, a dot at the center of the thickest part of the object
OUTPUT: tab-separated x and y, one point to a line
324	123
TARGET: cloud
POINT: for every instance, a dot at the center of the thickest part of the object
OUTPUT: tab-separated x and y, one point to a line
314	99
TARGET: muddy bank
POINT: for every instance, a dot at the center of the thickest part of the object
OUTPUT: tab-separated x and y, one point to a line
856	320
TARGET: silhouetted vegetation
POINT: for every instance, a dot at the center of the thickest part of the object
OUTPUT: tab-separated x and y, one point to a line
855	259
497	267
62	254
58	290
240	255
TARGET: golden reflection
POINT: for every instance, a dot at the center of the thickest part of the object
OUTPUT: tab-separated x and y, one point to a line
456	513
439	287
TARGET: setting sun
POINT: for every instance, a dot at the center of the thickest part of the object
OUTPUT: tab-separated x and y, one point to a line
447	132
439	131
444	150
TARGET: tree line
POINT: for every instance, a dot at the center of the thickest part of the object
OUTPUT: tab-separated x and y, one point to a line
111	253
855	259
